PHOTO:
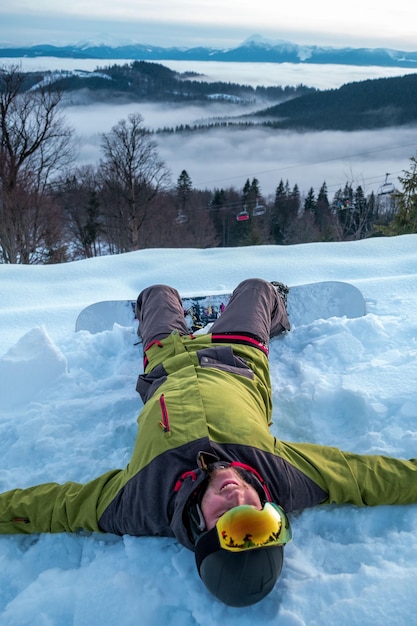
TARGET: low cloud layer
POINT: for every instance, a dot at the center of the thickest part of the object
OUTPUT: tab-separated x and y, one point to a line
228	157
225	158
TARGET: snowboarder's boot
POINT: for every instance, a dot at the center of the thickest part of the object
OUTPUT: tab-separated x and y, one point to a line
282	291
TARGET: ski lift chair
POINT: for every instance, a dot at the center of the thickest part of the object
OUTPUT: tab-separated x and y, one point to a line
258	210
385	196
344	203
181	218
386	188
243	216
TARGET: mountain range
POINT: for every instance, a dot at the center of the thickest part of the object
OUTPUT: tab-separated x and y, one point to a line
254	49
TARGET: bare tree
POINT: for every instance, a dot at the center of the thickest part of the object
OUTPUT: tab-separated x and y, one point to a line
35	143
353	213
132	174
199	231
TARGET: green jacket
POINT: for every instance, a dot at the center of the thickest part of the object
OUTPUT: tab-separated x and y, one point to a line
204	396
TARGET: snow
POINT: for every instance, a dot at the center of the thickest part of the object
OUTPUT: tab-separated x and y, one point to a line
62	74
68	411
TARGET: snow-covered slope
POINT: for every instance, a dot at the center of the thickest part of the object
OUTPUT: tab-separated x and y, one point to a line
68	411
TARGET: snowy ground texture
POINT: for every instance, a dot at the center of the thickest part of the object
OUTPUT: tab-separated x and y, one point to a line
68	411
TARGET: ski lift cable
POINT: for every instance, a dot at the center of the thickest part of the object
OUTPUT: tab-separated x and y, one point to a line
368	179
309	163
257	210
237	204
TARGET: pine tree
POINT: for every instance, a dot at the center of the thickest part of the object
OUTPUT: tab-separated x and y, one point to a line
322	197
310	201
324	218
184	183
405	220
183	191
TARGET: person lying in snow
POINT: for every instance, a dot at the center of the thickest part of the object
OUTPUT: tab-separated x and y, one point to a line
205	468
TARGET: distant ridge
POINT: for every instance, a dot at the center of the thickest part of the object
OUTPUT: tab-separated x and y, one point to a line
255	49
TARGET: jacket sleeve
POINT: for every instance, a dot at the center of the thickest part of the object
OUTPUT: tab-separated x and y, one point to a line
364	480
382	479
53	508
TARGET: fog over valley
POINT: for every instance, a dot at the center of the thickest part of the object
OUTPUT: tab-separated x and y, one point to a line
227	157
222	158
267	74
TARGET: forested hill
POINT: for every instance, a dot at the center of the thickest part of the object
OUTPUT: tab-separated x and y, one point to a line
367	104
144	81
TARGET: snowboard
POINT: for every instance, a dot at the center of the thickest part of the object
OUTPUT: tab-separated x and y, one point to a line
306	304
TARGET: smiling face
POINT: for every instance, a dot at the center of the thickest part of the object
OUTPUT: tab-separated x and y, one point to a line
226	489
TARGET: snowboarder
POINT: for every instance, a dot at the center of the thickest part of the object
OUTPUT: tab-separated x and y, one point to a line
205	468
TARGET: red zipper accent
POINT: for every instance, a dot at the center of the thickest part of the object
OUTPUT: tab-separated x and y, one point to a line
155	341
179	482
234	338
164	423
145	358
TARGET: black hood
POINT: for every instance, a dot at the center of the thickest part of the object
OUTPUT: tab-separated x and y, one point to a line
185	488
191	485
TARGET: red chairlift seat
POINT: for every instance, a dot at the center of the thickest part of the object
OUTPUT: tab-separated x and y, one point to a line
242	216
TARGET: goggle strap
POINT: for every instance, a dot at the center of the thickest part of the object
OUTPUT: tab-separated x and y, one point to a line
201	523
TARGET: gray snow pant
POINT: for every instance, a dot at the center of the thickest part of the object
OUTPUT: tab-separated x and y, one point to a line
255	309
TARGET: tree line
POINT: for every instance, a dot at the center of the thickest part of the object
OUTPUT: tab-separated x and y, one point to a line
52	211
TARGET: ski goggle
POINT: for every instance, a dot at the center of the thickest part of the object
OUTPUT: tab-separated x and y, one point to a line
247	528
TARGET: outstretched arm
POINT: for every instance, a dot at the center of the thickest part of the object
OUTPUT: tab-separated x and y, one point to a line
53	508
382	479
364	480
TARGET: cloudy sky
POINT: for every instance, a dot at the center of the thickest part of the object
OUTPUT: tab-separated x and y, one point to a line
210	22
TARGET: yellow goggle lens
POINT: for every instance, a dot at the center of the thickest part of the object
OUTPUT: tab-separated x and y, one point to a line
245	528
